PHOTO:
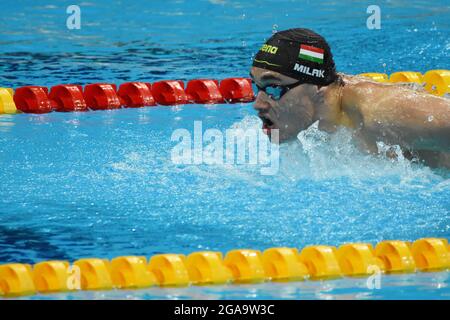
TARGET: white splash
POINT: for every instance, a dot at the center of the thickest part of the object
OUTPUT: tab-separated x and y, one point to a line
318	155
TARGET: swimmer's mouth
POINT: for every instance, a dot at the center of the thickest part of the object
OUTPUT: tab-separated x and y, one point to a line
268	124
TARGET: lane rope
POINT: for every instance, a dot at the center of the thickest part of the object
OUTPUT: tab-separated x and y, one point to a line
238	266
104	96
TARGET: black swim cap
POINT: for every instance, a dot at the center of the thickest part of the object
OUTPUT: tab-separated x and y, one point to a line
300	54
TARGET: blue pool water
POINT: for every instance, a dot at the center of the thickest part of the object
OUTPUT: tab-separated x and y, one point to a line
102	184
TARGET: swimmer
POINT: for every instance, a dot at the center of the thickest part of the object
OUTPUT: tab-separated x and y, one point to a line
297	85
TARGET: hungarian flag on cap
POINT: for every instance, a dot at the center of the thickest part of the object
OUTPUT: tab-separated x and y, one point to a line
311	53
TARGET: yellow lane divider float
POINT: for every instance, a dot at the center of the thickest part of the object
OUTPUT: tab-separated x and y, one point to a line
7	104
406	76
238	266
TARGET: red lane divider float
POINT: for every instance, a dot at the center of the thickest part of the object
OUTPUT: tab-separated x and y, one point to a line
68	97
32	99
136	95
204	91
237	90
169	92
103	96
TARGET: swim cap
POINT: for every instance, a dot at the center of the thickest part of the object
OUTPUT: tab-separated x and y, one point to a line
298	53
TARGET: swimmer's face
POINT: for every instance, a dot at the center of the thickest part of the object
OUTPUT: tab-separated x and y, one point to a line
292	113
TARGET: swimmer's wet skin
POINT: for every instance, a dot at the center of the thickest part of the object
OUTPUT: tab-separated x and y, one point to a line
297	85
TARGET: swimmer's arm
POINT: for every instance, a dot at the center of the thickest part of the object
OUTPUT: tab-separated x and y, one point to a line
411	119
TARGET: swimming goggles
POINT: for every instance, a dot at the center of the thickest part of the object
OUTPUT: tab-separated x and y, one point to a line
274	91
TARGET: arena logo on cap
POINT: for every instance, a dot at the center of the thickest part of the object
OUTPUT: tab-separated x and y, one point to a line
311	53
269	49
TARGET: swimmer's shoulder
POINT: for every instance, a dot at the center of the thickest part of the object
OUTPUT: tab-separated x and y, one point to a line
377	105
359	89
362	87
361	97
366	93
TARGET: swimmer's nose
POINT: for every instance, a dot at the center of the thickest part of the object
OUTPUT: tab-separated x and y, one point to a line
262	102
